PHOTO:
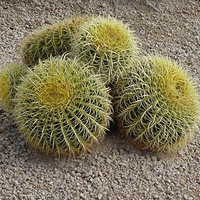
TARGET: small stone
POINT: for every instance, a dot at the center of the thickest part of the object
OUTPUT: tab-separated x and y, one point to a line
48	21
1	147
154	158
155	196
186	197
100	196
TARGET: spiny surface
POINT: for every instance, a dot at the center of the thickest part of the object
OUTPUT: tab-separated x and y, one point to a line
50	40
61	108
107	44
157	104
10	77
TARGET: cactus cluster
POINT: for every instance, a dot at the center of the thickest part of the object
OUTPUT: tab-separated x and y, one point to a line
72	70
157	105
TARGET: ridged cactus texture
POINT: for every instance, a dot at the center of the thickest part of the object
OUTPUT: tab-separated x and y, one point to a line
61	109
157	105
10	77
107	44
51	40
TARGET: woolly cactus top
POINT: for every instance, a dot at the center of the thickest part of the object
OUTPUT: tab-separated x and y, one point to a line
173	85
108	34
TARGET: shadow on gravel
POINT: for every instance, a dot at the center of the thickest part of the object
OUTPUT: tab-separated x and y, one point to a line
13	145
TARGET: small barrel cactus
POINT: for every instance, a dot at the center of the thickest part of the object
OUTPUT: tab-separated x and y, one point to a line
10	77
54	39
107	44
62	109
157	105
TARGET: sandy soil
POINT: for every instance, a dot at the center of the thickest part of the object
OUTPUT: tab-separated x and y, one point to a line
114	170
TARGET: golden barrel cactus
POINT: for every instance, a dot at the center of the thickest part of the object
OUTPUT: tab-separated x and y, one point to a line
107	44
62	109
50	40
10	77
157	105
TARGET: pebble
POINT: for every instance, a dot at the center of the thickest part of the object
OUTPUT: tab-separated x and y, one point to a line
1	148
100	196
115	170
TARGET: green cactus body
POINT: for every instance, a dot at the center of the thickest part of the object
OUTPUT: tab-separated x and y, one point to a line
62	109
157	105
52	40
10	77
107	44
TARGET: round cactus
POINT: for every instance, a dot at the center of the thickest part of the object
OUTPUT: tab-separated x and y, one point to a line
54	39
157	105
10	77
107	44
62	109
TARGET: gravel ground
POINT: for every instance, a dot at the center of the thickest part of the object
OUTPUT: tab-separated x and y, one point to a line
114	170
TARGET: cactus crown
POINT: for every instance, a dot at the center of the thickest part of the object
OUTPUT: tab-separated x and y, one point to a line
10	77
108	35
56	90
107	44
173	84
157	105
65	110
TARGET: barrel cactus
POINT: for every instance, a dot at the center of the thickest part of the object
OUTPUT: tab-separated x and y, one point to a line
10	77
54	39
107	44
157	105
62	109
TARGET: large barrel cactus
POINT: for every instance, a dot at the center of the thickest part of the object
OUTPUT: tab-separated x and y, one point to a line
62	109
54	39
107	44
10	77
157	105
